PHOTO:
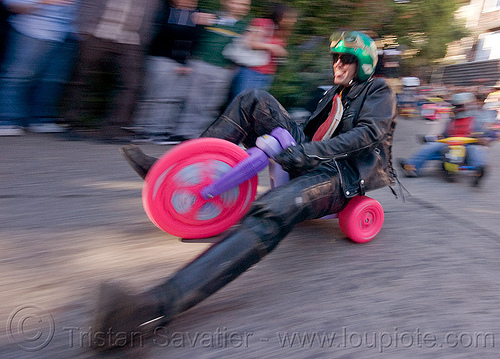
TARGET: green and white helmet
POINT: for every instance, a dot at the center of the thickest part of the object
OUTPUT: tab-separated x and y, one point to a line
360	45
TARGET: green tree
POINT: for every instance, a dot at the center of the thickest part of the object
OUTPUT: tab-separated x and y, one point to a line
425	27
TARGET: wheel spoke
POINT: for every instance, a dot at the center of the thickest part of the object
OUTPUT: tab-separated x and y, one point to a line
218	202
200	208
192	214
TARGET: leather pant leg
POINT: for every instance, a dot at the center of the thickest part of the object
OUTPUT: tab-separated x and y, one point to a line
271	218
251	114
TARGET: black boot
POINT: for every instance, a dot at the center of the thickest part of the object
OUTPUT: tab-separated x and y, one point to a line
140	162
478	176
123	318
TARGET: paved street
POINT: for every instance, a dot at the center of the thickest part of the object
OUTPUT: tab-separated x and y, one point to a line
427	287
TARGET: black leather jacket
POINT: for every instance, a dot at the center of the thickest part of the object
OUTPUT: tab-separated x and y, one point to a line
361	146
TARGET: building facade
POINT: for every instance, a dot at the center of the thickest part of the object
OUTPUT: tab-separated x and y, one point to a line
475	60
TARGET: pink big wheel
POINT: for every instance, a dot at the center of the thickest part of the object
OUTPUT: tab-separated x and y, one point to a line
362	219
171	193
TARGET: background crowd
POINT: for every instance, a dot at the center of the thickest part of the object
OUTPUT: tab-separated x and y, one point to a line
151	70
112	70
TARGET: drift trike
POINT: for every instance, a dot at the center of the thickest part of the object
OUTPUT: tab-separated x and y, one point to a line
202	187
453	159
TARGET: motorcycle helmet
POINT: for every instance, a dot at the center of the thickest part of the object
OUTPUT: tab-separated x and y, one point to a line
462	103
361	46
463	99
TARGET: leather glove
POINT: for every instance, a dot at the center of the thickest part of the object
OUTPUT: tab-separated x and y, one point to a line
295	161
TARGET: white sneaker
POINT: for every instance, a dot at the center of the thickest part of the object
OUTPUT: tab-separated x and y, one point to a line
46	128
11	130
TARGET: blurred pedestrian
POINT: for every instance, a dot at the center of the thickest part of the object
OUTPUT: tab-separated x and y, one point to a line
39	57
484	114
212	71
270	35
184	115
114	35
169	73
492	101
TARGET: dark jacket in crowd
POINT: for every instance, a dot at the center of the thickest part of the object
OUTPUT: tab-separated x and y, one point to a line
174	34
4	28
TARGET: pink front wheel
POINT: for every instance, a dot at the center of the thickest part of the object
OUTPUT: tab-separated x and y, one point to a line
171	194
362	219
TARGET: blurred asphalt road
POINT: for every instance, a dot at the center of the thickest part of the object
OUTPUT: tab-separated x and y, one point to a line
427	287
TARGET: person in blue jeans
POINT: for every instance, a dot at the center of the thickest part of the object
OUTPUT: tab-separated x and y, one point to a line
38	61
465	122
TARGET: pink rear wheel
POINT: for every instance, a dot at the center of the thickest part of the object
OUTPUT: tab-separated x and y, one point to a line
362	219
171	193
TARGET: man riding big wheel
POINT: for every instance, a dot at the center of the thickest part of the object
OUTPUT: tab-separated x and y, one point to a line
342	151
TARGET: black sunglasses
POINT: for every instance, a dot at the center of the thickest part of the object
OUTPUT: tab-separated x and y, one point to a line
346	59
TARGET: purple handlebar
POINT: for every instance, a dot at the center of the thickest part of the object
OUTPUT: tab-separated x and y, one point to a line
284	137
256	161
243	171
